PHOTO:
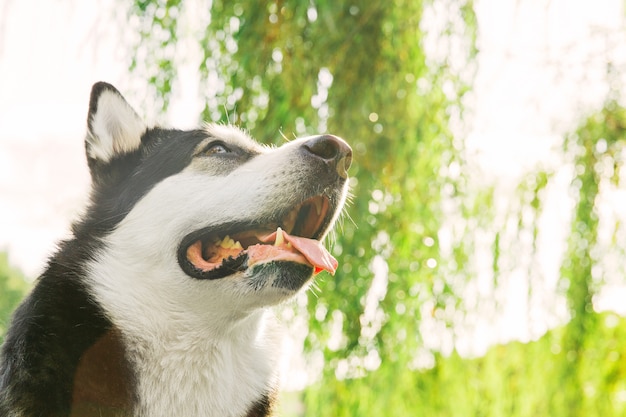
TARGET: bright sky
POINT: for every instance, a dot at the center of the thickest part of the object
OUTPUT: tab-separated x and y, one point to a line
542	65
50	54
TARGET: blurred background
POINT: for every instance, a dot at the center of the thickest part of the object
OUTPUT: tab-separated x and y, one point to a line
482	256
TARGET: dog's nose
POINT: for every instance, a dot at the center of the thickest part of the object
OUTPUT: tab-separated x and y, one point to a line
334	151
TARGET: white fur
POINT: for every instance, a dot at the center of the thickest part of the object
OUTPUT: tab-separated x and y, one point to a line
232	134
115	128
212	341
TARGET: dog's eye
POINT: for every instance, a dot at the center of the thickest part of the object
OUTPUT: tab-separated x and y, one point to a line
216	148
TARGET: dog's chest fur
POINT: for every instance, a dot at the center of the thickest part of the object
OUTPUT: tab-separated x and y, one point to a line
227	374
126	376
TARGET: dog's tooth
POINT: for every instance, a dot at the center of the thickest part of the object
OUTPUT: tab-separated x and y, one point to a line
280	239
227	242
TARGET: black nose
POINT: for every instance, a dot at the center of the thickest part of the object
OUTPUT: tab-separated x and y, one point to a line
334	151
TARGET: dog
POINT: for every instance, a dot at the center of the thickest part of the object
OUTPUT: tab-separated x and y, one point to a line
159	304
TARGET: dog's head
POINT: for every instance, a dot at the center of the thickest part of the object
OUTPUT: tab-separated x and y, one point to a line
206	217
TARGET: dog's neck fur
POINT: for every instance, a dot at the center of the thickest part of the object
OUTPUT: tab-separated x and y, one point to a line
226	373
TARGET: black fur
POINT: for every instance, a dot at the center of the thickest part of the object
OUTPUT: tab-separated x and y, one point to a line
263	407
158	157
50	332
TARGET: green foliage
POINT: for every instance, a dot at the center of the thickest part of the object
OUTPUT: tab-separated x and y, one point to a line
159	25
599	143
581	379
13	287
514	380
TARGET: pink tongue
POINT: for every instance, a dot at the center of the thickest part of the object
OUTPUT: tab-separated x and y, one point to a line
312	250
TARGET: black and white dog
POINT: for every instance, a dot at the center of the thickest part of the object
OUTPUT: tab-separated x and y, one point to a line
158	304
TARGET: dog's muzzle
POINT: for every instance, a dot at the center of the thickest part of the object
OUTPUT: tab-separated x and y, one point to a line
289	234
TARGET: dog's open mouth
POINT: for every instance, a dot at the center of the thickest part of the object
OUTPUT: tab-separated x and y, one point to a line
293	239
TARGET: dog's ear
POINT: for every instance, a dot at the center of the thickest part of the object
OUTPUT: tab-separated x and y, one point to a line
113	127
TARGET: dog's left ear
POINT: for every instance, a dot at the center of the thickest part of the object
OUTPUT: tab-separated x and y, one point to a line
113	127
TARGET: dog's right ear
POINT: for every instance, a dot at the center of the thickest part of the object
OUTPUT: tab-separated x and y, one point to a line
113	127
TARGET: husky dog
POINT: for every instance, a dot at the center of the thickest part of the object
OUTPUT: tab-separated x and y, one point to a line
158	303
